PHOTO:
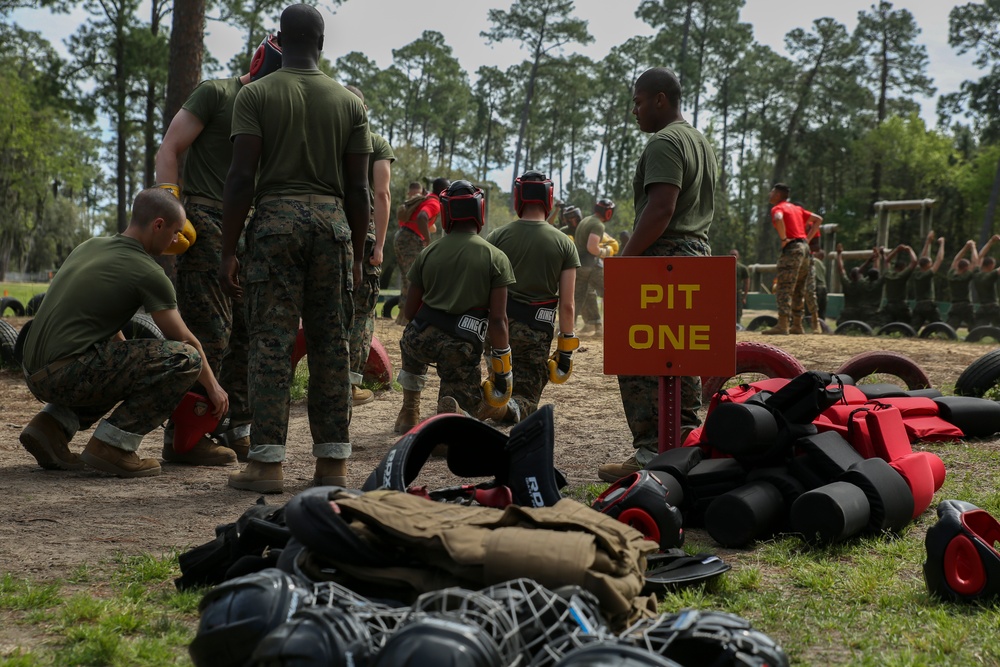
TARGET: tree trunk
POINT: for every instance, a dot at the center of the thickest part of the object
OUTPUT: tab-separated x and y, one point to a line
882	93
701	62
486	149
525	110
121	126
149	132
785	149
572	158
187	39
987	231
684	43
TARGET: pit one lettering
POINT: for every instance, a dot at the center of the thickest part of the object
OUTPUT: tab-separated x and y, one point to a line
669	336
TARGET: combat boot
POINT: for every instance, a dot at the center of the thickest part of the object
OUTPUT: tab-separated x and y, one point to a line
409	414
102	456
796	326
330	472
779	329
814	322
598	331
361	396
204	453
486	411
588	328
241	446
612	472
47	441
260	477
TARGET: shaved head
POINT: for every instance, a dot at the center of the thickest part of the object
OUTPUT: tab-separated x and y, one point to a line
300	25
660	80
356	91
153	203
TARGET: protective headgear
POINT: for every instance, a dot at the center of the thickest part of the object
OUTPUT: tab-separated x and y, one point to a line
604	208
694	637
572	212
462	201
476	609
266	59
318	637
192	419
962	561
439	641
620	655
237	614
640	500
532	188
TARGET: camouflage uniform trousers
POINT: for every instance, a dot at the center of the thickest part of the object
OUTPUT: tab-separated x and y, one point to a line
529	353
299	265
740	295
145	378
234	374
808	297
407	245
960	314
589	286
895	311
793	274
365	300
987	314
925	311
457	364
640	394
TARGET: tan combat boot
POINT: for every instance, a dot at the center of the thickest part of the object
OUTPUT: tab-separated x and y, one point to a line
779	329
361	396
796	326
486	411
242	448
330	472
409	414
612	472
102	456
588	328
260	477
814	322
47	441
204	453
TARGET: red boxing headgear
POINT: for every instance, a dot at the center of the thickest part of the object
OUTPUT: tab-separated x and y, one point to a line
266	59
532	188
462	201
192	419
604	208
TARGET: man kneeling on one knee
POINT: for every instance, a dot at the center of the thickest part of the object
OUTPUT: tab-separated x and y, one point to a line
78	361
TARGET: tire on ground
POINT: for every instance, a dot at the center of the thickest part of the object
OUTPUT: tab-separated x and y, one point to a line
755	358
852	327
981	375
19	344
762	322
980	333
142	326
8	339
33	304
938	330
390	304
378	368
903	328
11	304
891	363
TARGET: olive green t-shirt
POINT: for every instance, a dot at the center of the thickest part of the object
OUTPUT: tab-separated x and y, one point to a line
852	293
742	275
589	225
871	292
99	288
458	272
895	285
923	285
819	269
208	158
381	150
307	123
679	155
958	285
538	254
984	286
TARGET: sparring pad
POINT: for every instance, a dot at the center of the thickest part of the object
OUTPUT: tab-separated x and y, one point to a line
806	396
889	497
783	480
926	393
853	395
315	521
829	453
888	435
910	406
710	472
530	472
674	567
962	561
916	470
741	429
474	450
192	419
931	429
880	390
977	417
677	462
801	468
753	511
831	513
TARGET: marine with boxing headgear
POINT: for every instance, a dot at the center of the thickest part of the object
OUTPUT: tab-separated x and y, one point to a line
458	290
200	129
593	245
545	262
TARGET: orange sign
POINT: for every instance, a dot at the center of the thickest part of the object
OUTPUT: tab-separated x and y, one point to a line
670	316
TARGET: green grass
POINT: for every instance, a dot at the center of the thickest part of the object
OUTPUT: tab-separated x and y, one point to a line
134	617
300	383
22	291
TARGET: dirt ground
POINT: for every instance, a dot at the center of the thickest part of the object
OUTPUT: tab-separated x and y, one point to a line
54	521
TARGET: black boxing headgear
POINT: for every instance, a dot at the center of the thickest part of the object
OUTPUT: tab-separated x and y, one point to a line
640	500
572	212
532	188
462	202
604	208
266	59
962	562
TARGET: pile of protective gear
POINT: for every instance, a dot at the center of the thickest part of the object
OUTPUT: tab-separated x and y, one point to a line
272	618
816	456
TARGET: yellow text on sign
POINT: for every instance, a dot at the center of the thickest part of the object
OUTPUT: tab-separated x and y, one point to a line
680	337
652	294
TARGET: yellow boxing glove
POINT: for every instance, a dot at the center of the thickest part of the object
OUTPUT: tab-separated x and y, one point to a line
187	236
561	361
498	388
609	246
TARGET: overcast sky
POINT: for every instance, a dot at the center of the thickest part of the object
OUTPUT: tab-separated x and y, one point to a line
376	27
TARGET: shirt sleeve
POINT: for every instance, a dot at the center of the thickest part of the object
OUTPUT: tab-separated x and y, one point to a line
360	140
203	101
664	163
432	205
157	292
503	272
246	114
571	258
414	273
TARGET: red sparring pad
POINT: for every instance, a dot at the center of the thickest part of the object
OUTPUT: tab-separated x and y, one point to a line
931	429
853	395
912	406
299	350
192	419
937	467
916	470
888	434
850	422
378	367
694	437
741	393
